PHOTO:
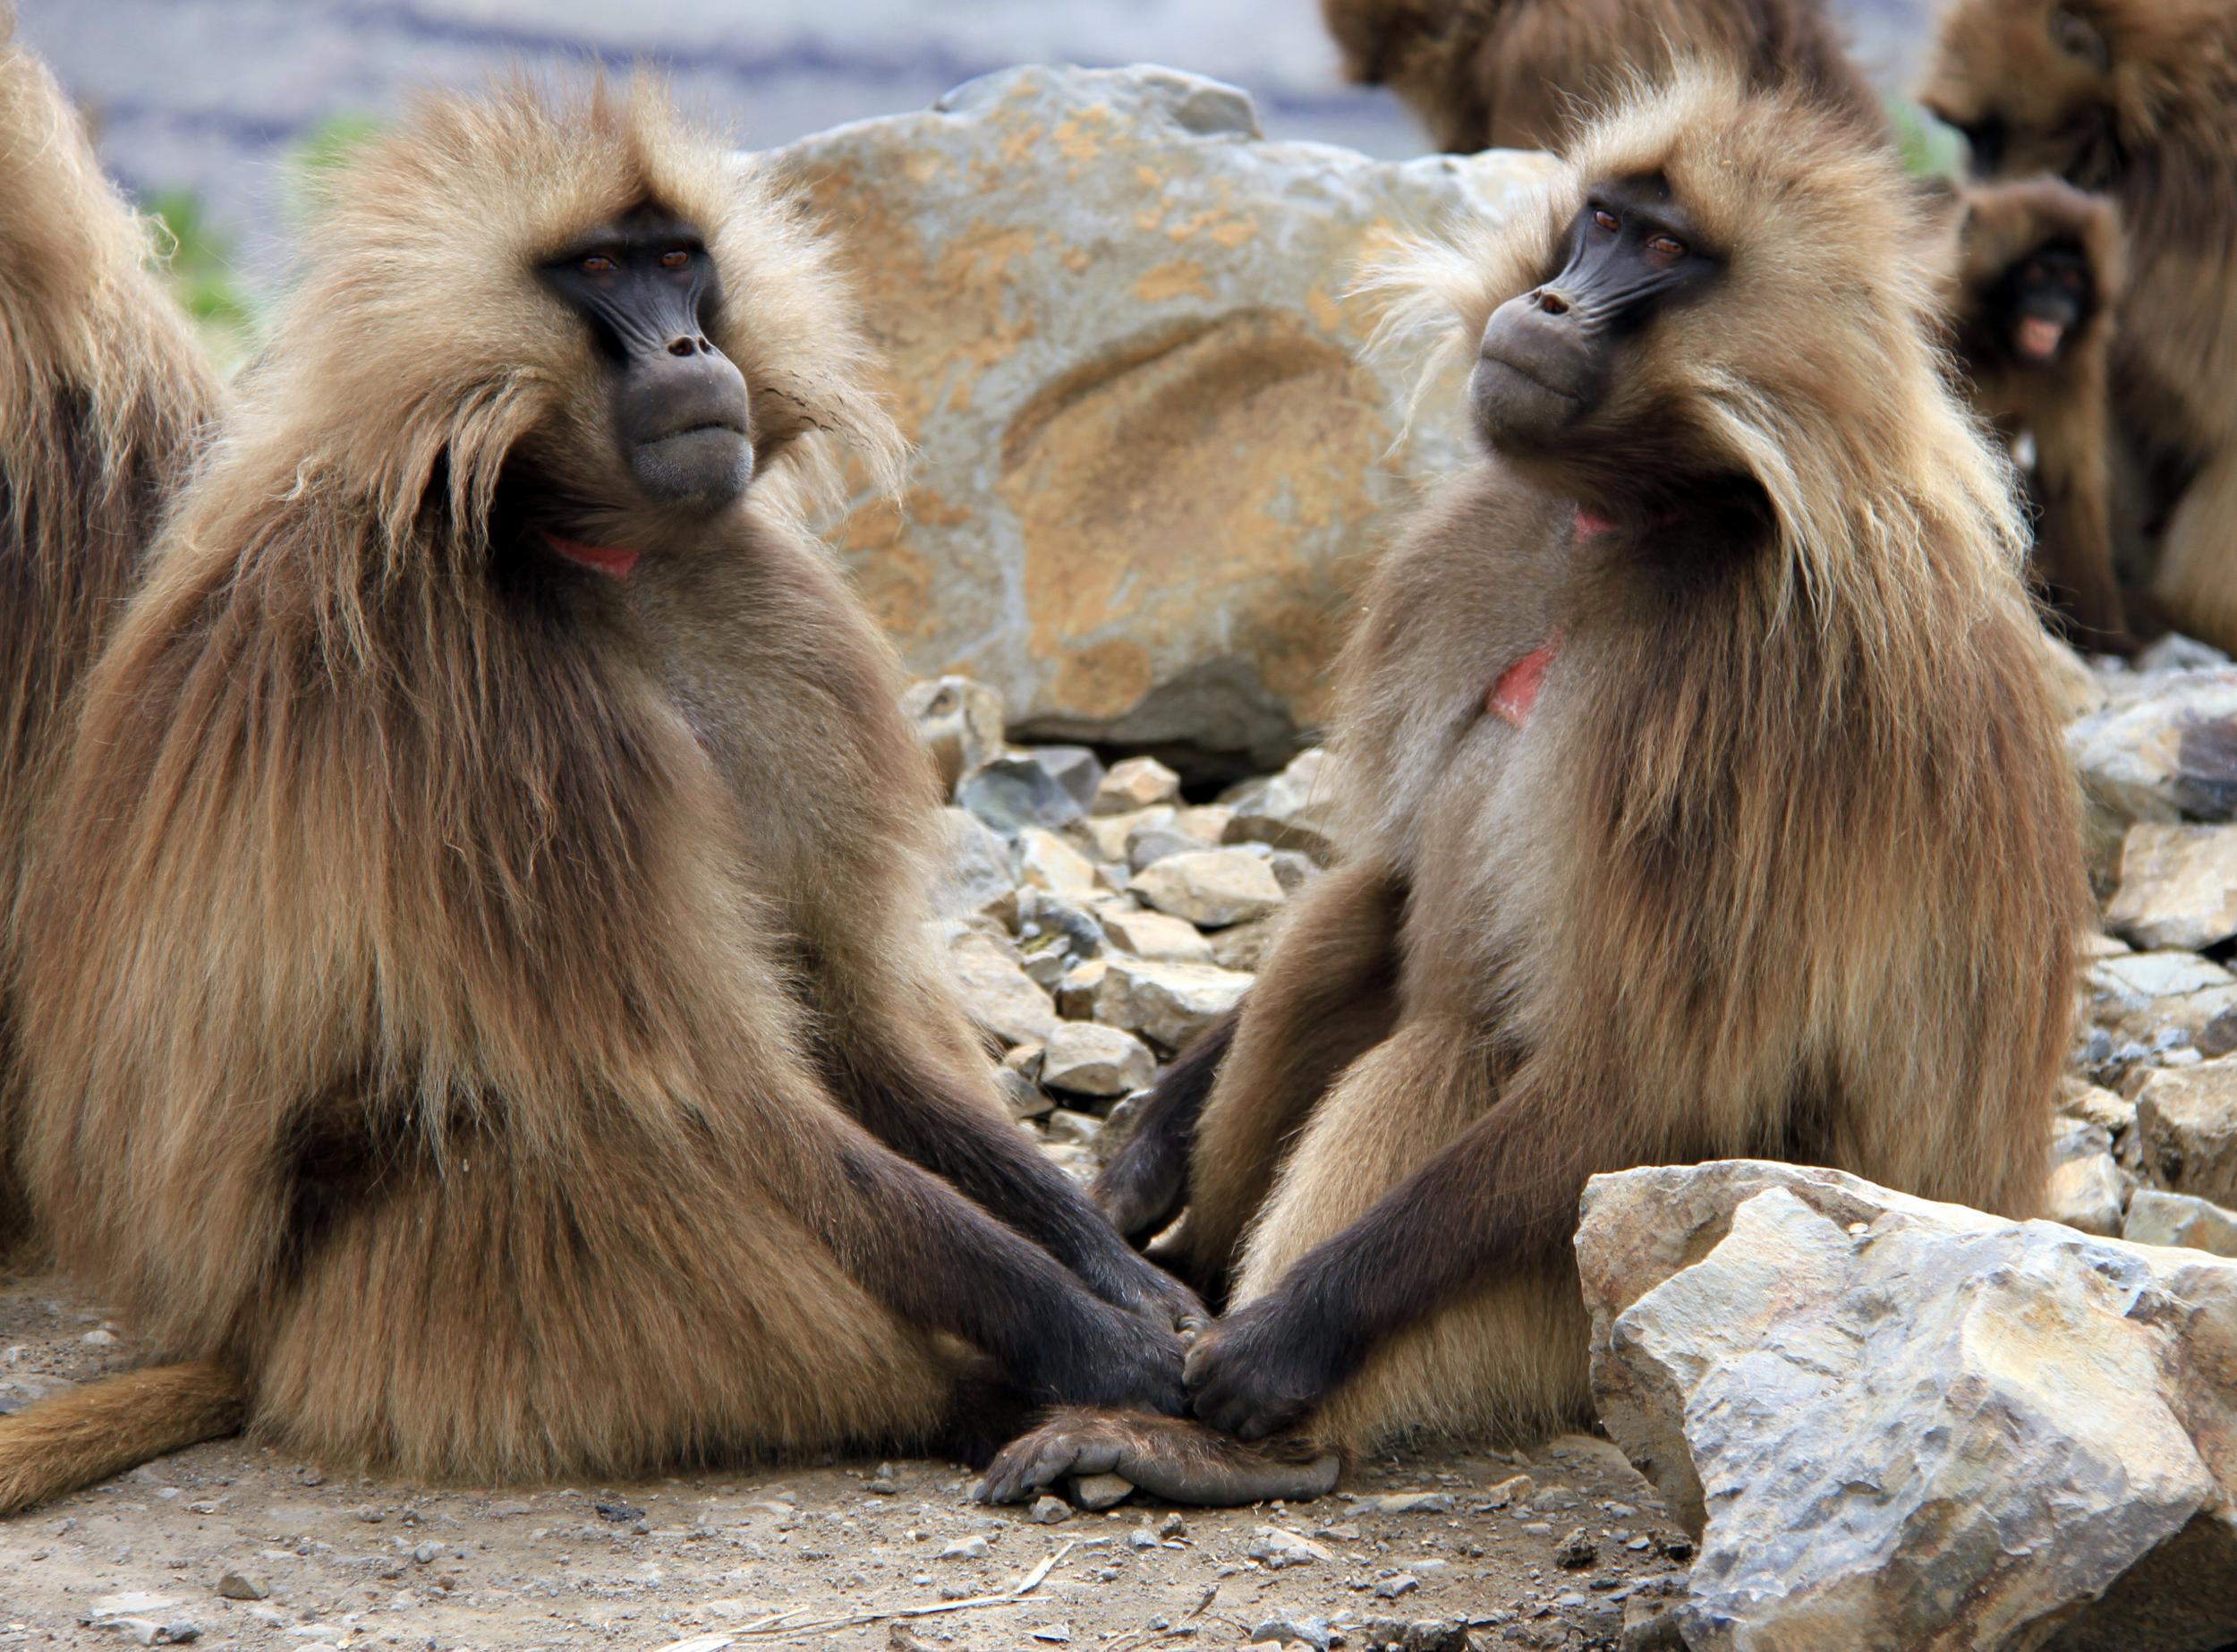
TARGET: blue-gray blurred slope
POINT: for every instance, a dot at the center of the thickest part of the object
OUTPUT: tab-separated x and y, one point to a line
207	95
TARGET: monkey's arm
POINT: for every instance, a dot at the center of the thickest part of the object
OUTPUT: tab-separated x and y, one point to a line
1327	995
931	1121
2074	539
1503	1194
940	1262
1140	1189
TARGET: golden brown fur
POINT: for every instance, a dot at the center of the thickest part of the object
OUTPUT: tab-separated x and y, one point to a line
2061	407
102	391
1783	863
1532	74
487	1008
2133	99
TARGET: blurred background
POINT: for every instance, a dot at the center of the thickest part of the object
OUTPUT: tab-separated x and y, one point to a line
204	107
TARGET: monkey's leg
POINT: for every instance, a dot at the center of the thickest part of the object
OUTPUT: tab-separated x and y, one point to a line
1328	994
1458	1273
1140	1189
1165	1456
2197	559
2074	538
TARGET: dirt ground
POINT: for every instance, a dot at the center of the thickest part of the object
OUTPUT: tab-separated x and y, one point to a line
840	1554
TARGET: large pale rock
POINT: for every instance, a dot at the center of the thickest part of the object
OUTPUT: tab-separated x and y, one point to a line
974	876
1916	1428
2165	753
2147	993
1138	783
2086	1188
2187	1120
1159	936
1149	463
1211	888
1169	1004
2178	885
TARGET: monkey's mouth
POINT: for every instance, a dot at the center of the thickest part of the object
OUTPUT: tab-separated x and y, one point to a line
2038	337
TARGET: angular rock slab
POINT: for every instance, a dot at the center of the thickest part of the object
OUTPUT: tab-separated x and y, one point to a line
1908	1426
1150	462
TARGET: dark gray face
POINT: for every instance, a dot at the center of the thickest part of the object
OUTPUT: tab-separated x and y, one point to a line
645	285
1550	356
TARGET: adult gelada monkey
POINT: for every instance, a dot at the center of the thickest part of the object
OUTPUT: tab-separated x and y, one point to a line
1702	799
2030	317
1531	74
103	393
484	1020
2132	98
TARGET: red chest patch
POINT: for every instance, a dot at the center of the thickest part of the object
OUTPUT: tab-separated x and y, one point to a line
613	561
1516	693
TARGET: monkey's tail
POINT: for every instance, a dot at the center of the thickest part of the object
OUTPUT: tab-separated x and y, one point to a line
106	1427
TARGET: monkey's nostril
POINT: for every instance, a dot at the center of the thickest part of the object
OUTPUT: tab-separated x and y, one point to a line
682	347
1553	303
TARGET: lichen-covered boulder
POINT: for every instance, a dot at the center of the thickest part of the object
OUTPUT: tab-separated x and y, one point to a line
1150	464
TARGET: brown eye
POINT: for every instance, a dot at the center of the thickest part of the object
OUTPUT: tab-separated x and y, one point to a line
675	257
1666	246
597	264
1605	219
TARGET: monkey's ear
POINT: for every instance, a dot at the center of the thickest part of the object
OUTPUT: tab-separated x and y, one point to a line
2077	34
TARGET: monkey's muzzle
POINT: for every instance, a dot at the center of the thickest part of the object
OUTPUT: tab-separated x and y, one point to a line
686	426
1539	370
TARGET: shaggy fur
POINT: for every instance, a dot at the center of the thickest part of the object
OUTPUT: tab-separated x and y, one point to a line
486	1009
1533	74
2061	406
2133	99
1784	863
102	393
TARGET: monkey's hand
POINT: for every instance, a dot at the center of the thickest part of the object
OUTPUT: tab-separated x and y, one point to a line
1125	1278
1266	1366
1108	1358
1163	1456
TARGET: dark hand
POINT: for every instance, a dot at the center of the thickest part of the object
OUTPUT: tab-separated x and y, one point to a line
1264	1368
1125	1278
1110	1359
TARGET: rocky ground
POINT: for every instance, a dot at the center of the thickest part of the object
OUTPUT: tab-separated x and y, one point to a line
229	1545
1096	918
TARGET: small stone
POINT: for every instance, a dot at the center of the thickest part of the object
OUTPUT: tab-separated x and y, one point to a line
1141	1537
1172	1526
1283	1630
241	1586
972	1547
1016	790
1397	1585
973	873
1575	1551
1516	1489
1291	810
1078	1129
1086	1058
1169	1004
1095	1492
1147	845
1136	783
99	1339
2157	1218
609	1509
1076	991
1050	1510
2187	1129
960	722
1554	1499
2086	1193
2178	886
1211	888
998	993
1159	936
1412	1503
1048	862
1276	1549
426	1553
1106	835
1021	1095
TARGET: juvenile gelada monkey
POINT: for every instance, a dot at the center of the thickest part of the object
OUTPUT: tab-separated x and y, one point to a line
1700	795
483	1020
